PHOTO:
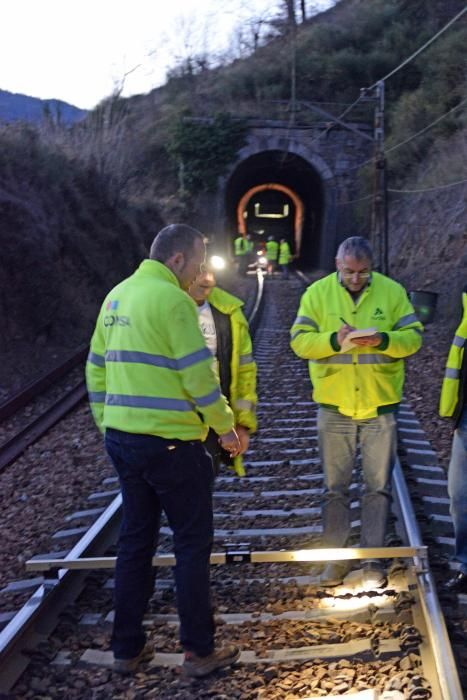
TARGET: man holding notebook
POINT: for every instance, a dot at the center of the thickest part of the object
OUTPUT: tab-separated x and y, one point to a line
355	326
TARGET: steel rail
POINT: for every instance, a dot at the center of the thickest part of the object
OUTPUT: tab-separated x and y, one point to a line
15	446
446	669
38	386
39	615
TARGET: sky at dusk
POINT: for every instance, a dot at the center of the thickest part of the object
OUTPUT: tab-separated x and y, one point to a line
80	52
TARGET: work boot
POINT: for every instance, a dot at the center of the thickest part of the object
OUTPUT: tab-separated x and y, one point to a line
126	666
198	666
373	576
334	573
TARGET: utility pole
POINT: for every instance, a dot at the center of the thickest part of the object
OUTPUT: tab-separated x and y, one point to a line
379	218
292	31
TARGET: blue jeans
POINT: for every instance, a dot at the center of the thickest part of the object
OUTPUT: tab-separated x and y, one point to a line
457	489
175	477
338	439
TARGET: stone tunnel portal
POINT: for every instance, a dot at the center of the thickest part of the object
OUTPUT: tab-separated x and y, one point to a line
279	194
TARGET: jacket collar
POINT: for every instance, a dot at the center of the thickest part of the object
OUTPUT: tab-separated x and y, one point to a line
223	301
154	268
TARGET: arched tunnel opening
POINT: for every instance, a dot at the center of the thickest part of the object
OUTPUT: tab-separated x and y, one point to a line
277	194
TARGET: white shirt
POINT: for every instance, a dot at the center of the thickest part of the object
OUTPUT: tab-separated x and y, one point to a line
208	328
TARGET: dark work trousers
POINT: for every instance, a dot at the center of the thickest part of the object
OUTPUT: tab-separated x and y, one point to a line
176	477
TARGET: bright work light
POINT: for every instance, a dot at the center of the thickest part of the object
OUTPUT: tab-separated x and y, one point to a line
216	262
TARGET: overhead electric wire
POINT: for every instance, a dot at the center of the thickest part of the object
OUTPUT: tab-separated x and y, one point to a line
429	189
413	136
422	131
422	48
344	113
354	201
409	138
415	191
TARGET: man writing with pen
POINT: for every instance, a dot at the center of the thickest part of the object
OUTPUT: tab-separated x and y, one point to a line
357	381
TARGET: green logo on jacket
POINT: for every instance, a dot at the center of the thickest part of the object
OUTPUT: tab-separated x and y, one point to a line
378	315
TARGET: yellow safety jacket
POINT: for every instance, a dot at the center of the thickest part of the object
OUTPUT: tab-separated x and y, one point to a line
452	399
243	398
240	246
272	248
249	246
360	382
149	370
284	253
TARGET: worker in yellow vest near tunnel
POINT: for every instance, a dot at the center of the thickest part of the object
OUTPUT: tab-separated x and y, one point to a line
285	257
240	252
225	330
272	250
452	405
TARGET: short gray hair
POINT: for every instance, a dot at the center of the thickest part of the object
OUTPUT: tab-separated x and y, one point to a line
175	238
355	247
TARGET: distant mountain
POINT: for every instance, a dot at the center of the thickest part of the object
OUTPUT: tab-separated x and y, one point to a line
14	107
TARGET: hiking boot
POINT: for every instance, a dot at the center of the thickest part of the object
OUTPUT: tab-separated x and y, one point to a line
334	573
198	666
126	666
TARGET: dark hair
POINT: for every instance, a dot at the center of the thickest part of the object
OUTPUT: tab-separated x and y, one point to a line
175	238
356	247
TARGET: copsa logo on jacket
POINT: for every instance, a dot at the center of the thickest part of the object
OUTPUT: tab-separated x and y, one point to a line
114	319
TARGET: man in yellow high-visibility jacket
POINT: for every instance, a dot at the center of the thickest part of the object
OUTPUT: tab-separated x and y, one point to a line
272	250
358	386
241	254
225	330
154	392
285	257
452	405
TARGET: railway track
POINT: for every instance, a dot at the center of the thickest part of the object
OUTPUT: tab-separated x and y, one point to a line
40	405
297	639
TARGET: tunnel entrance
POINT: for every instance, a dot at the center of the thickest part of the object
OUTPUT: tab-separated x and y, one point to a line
278	194
271	210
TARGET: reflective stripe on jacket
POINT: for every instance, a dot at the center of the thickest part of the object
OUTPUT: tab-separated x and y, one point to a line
452	399
243	398
272	249
363	379
284	253
149	370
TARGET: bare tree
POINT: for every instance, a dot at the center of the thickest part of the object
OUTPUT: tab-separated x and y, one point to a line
250	34
291	17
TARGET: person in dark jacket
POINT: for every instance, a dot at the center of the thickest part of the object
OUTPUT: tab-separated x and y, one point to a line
225	330
452	405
